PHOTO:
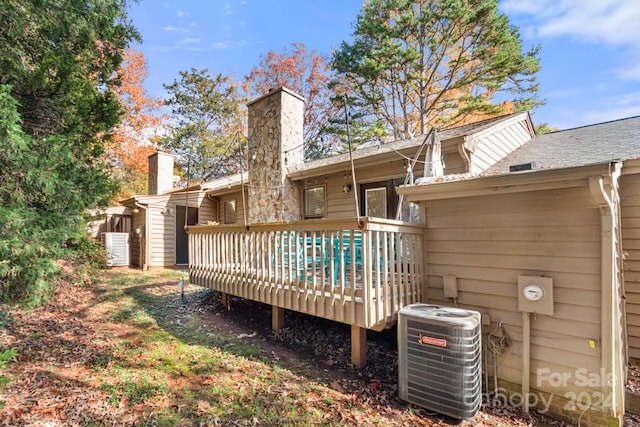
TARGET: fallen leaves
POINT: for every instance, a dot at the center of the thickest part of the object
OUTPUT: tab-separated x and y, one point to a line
51	379
75	365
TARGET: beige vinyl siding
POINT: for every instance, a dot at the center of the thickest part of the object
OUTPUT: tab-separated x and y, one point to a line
207	211
161	234
488	241
162	223
339	203
630	211
497	144
388	170
237	196
342	205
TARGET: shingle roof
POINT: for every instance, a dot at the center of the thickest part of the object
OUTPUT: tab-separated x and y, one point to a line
602	142
226	182
400	144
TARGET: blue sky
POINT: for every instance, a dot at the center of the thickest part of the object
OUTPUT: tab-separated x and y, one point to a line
590	48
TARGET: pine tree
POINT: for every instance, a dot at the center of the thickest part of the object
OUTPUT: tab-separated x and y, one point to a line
206	124
58	60
420	63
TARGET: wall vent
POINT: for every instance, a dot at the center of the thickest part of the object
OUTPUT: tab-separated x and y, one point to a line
522	167
439	359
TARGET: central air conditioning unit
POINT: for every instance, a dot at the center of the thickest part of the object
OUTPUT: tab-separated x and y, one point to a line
117	248
439	359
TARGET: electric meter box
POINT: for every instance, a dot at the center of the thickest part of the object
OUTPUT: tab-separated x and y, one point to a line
535	294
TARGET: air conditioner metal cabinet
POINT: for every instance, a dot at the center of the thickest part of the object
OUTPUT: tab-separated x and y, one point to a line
117	248
439	359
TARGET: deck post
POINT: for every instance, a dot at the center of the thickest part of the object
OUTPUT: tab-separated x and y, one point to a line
358	346
224	300
277	318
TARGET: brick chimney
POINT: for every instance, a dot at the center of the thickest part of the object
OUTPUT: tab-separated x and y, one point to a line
275	143
160	173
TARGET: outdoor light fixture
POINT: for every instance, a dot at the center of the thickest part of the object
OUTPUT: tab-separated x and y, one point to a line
136	210
346	188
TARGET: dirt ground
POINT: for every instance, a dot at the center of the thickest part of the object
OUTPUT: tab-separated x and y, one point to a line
326	344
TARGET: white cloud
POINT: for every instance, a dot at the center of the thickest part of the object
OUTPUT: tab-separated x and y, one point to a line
219	45
189	41
631	70
615	107
614	22
562	93
181	13
228	44
228	9
631	99
610	22
179	29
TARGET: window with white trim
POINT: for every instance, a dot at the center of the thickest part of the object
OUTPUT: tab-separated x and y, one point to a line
314	202
230	212
375	202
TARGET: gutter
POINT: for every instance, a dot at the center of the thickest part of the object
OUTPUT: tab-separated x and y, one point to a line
449	187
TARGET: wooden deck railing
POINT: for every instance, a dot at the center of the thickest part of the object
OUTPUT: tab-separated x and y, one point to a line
328	268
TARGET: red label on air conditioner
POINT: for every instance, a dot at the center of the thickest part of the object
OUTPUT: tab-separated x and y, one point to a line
439	342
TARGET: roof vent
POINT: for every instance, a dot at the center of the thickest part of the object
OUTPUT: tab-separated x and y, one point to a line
522	167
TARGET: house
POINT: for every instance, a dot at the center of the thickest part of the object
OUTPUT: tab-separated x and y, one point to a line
113	219
308	236
157	235
112	227
560	213
280	186
556	215
318	189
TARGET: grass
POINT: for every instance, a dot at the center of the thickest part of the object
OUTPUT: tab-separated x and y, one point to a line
185	374
6	356
134	352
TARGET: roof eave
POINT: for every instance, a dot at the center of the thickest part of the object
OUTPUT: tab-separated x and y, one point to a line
547	179
222	191
373	159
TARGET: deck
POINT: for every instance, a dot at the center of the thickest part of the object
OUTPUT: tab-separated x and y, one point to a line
358	274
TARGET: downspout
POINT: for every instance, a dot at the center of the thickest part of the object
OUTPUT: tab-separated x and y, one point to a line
145	266
526	360
604	189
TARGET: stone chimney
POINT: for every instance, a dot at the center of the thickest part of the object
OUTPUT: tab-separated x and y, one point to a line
275	143
160	173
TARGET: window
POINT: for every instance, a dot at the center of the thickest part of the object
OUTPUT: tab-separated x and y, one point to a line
410	212
230	212
379	199
375	202
314	202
